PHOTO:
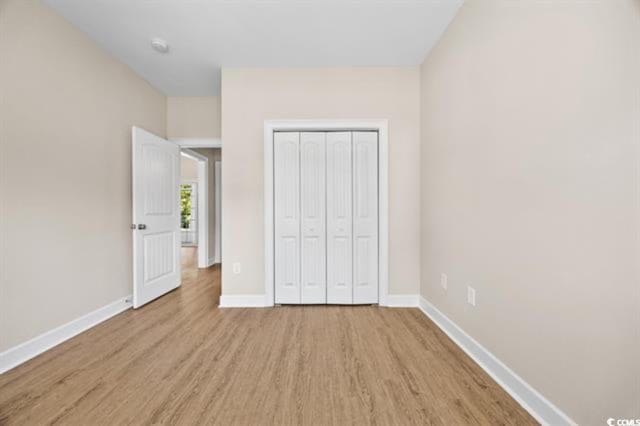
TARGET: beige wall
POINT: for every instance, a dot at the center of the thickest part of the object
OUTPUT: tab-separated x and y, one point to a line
250	96
66	111
188	169
530	193
213	154
193	117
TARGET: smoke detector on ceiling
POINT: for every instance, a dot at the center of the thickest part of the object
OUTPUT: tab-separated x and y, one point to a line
159	45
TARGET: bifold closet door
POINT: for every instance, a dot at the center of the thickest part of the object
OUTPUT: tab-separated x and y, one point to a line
286	156
326	217
365	217
339	219
313	205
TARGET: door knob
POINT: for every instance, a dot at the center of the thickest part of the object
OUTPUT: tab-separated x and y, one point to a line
142	226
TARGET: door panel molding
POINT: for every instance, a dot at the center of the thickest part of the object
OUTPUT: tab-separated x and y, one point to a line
287	217
365	217
312	215
339	218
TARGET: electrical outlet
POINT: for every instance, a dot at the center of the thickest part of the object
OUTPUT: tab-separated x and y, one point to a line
444	281
471	296
237	268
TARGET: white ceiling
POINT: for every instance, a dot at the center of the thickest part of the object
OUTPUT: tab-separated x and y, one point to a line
205	35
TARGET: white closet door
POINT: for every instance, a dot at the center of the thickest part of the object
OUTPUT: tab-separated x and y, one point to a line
365	217
287	216
313	198
339	219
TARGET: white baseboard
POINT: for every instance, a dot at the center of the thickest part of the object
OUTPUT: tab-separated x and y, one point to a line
402	300
259	301
25	351
243	301
531	400
211	262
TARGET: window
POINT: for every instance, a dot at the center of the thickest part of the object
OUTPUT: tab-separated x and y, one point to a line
188	206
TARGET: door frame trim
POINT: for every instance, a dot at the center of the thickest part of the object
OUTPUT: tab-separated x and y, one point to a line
197	142
379	125
217	213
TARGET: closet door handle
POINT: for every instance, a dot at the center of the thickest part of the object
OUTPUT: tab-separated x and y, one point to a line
142	226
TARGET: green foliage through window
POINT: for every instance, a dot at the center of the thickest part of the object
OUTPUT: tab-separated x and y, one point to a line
185	206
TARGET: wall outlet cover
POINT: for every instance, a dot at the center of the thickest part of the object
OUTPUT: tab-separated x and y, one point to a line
444	281
471	295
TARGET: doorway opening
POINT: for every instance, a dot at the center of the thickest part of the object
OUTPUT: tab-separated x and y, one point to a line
194	210
200	211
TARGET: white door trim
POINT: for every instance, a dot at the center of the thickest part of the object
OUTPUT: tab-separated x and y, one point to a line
381	126
197	142
217	170
203	205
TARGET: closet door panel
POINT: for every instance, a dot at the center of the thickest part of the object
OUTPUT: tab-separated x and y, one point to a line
365	217
287	216
313	204
339	218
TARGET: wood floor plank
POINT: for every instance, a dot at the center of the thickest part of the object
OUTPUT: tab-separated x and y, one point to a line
182	360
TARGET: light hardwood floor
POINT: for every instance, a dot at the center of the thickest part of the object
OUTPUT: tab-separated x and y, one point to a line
181	360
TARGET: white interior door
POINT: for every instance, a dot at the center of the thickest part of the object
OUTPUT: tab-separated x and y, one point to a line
365	217
287	216
339	219
156	216
313	197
